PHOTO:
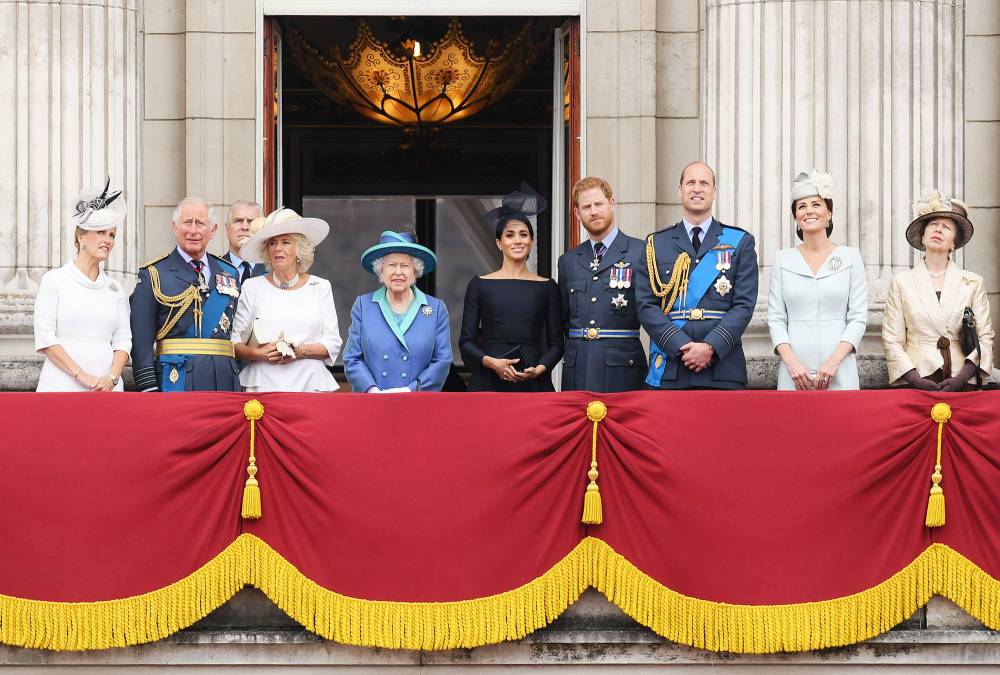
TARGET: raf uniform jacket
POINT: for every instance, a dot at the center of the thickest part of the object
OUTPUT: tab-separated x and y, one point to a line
604	364
914	321
380	353
728	368
202	372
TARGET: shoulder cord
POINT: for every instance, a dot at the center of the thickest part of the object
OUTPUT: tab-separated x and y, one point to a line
178	304
678	277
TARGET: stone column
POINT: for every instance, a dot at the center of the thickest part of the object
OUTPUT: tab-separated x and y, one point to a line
870	90
69	75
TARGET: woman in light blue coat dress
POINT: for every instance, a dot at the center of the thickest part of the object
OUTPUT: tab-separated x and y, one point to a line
817	308
400	339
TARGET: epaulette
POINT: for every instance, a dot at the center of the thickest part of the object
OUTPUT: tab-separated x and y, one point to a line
155	260
734	227
230	267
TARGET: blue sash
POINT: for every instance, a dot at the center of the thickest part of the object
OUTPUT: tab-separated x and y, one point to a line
699	281
212	309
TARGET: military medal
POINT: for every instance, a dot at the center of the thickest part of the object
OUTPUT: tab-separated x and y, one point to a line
619	301
722	285
227	285
427	311
595	263
620	275
224	323
174	375
835	263
724	259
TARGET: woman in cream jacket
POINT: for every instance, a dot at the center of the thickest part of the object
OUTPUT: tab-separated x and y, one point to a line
817	306
923	312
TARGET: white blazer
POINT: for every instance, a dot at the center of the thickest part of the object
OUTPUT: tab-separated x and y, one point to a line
813	313
915	319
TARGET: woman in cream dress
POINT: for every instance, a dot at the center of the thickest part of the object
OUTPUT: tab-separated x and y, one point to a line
817	308
298	305
924	308
81	315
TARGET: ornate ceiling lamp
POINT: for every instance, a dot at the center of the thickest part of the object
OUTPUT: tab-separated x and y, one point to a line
415	85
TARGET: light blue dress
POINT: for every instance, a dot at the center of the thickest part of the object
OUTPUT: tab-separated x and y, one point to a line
815	312
382	352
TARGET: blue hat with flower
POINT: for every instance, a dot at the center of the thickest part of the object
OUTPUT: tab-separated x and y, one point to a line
398	242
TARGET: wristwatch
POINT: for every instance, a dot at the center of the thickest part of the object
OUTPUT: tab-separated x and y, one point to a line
114	380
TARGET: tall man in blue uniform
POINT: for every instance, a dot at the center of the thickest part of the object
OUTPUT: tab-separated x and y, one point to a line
182	311
597	281
696	293
242	212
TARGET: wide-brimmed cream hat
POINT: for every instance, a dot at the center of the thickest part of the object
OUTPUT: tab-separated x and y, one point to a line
933	205
99	209
282	221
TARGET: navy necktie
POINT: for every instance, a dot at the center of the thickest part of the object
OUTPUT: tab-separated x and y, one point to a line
246	272
599	249
696	238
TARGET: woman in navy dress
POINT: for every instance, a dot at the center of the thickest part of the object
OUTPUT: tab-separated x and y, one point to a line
512	323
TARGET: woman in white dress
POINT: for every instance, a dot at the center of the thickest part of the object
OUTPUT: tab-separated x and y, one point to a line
285	329
817	307
926	304
81	315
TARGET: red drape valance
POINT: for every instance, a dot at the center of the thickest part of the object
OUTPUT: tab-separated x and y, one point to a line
740	521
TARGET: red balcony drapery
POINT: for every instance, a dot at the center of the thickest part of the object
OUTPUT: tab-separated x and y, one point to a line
738	521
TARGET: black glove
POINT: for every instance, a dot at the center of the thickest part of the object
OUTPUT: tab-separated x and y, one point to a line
914	380
964	375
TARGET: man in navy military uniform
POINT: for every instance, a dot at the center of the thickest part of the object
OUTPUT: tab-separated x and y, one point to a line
597	282
697	293
242	212
182	311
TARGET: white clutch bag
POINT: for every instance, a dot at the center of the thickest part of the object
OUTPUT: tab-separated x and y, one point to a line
259	332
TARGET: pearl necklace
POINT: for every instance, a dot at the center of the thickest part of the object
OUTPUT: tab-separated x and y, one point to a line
285	285
400	308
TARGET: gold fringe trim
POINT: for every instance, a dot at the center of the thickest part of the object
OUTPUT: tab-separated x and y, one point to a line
462	624
465	624
152	616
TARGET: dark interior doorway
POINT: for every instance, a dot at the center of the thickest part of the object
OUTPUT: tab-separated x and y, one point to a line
364	177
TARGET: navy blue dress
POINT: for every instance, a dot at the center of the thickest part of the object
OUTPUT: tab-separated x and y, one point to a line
504	313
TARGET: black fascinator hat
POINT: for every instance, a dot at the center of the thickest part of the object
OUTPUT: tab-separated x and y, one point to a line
518	205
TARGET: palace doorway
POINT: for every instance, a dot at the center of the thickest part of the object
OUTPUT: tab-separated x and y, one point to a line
364	172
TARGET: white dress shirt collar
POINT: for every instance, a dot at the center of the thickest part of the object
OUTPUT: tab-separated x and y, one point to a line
704	225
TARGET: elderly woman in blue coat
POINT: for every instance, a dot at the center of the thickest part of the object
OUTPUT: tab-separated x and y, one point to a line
400	339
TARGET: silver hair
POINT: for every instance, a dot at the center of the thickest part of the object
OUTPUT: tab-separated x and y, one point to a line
418	267
193	199
243	202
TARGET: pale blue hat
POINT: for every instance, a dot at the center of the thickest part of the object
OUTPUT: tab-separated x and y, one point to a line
398	242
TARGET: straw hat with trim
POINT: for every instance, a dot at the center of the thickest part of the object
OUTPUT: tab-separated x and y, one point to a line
932	205
282	221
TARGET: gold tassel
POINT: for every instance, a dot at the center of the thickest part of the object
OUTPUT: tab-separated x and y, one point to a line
253	410
593	511
940	413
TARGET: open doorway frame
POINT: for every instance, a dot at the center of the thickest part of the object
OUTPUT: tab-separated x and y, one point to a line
571	145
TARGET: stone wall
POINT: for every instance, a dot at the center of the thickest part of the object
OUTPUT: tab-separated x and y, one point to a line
199	117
